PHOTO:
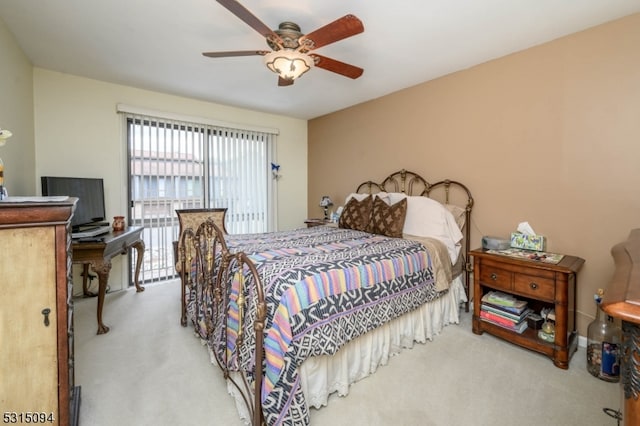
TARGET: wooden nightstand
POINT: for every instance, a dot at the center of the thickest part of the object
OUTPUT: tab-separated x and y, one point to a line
541	285
315	222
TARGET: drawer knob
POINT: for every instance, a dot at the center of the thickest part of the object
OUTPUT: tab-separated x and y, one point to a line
533	286
494	276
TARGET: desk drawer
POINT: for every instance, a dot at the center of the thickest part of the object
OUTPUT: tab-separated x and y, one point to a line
537	287
496	277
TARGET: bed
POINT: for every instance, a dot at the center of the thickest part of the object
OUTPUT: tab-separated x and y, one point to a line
293	316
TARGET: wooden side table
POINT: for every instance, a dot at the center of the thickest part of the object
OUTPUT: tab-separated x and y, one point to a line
542	285
315	222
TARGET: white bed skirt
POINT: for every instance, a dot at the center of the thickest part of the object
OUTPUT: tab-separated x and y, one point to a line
323	375
326	374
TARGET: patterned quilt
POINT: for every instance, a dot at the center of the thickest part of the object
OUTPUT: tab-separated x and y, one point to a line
323	287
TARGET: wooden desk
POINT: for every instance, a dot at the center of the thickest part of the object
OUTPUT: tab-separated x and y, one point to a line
98	255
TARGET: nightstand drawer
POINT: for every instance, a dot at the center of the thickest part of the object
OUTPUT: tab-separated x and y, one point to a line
496	277
537	287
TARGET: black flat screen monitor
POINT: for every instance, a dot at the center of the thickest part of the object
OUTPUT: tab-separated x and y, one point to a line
90	193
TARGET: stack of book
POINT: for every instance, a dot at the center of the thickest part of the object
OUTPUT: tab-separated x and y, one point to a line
505	311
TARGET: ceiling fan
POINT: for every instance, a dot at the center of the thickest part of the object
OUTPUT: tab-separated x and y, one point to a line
292	51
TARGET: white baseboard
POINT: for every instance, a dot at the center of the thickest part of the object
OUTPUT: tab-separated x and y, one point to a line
582	341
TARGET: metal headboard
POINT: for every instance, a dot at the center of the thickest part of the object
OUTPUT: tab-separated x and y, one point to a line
411	183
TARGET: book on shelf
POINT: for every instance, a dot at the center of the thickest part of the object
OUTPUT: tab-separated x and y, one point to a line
505	300
518	327
505	313
497	318
510	309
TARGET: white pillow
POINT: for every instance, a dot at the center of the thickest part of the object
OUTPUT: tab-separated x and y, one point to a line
355	195
459	213
361	197
429	218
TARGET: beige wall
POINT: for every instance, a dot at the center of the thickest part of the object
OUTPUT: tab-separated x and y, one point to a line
67	125
79	133
549	135
16	115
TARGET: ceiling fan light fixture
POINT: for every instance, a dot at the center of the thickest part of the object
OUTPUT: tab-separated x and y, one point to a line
288	63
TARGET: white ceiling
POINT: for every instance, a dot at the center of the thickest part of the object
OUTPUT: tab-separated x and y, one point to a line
157	44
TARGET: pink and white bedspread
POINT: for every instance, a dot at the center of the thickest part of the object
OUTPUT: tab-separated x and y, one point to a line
323	287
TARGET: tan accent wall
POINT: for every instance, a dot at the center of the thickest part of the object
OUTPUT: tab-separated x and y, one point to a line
549	135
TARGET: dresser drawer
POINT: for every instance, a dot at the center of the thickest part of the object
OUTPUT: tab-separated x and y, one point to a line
496	277
537	287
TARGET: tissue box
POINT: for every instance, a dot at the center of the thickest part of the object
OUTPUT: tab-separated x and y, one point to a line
528	242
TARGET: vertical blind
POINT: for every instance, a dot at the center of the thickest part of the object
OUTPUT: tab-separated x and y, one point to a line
177	164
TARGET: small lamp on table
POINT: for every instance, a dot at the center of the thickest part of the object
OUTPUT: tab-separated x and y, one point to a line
325	203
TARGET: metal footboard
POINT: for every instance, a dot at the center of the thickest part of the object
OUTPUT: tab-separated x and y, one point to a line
218	282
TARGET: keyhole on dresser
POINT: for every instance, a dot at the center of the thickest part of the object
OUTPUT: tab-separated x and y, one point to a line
46	312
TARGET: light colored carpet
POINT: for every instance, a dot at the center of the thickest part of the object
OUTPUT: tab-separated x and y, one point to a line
148	370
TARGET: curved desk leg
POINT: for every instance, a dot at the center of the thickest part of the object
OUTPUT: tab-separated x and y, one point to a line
102	269
139	246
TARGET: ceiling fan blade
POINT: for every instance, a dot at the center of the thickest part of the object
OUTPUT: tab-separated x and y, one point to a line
235	53
250	19
339	29
284	82
338	67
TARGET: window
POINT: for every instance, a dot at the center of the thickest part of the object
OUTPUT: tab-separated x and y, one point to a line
177	164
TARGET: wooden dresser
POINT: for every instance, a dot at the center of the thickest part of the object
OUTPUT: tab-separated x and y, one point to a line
542	285
36	319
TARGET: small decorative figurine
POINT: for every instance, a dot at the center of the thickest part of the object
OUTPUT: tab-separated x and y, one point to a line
118	223
275	171
548	330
